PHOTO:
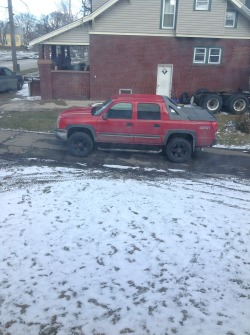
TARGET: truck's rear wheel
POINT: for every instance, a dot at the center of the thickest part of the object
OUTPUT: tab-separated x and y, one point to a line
80	144
212	103
238	104
178	150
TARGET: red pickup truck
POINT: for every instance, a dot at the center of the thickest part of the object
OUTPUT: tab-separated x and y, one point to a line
138	121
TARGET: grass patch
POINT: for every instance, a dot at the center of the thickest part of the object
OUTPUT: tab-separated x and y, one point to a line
30	71
31	121
228	134
46	120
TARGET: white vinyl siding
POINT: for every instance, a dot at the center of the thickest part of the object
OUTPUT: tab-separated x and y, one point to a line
75	36
97	3
191	23
168	14
131	17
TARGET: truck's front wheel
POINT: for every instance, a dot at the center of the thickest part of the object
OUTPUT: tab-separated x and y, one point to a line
178	150
80	144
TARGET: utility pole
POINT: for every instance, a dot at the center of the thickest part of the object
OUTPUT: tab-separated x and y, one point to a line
12	34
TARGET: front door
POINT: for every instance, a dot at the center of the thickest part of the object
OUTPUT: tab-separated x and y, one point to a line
117	126
164	79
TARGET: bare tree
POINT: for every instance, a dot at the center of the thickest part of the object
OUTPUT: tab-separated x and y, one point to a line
3	32
27	22
64	7
86	7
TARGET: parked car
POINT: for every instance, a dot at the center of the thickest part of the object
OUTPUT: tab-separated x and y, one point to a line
9	80
138	120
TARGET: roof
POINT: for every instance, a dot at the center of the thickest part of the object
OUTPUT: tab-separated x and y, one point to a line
74	24
243	9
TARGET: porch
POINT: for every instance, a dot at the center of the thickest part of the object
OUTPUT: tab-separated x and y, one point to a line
64	72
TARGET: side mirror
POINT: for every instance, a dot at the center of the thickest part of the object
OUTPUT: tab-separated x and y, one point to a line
105	116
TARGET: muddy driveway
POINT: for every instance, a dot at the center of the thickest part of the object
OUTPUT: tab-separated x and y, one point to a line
31	147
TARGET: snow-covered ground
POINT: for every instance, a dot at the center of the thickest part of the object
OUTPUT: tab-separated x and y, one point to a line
89	252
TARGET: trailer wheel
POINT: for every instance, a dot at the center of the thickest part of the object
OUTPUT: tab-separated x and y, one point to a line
238	104
199	96
213	103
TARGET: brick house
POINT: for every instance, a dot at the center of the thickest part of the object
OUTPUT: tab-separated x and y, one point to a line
158	46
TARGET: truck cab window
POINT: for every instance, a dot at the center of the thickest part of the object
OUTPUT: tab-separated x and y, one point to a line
148	112
120	111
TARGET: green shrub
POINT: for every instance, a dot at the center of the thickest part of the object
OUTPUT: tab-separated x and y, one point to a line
243	123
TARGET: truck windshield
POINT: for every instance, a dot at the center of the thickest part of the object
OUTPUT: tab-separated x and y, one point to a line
97	110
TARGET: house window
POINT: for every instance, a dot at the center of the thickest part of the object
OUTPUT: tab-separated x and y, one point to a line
207	56
214	56
202	4
200	55
168	14
230	21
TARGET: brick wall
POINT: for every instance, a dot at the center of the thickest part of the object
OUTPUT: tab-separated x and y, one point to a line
131	62
45	67
72	85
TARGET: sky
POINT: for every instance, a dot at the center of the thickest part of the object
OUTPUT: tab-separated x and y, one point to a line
35	7
90	251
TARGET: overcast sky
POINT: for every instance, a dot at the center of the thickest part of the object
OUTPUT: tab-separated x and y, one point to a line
35	7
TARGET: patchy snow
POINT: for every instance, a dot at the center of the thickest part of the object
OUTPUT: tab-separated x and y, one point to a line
86	254
233	147
24	93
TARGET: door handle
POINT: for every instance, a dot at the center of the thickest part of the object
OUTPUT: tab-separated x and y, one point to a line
129	124
156	125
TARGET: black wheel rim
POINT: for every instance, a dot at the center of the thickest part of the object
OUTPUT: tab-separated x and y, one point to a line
79	145
179	150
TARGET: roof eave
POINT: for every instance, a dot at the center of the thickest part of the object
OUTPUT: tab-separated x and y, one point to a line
59	31
74	24
243	9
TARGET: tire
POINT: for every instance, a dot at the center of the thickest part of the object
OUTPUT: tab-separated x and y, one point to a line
238	104
199	98
19	85
179	150
80	144
201	90
212	103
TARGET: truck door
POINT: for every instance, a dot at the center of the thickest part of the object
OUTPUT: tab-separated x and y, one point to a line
116	124
148	124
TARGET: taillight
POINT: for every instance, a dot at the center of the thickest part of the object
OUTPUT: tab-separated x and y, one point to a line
215	126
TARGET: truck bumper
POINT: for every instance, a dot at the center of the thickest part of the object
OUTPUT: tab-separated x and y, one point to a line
61	134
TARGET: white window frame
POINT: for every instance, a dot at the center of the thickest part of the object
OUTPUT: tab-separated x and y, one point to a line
234	14
172	3
217	55
203	53
202	5
207	55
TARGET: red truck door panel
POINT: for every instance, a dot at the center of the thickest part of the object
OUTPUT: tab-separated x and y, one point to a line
117	127
148	126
